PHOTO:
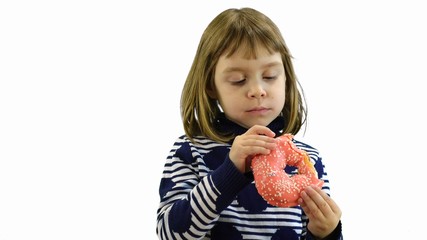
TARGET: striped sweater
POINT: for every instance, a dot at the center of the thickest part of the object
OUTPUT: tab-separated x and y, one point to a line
204	196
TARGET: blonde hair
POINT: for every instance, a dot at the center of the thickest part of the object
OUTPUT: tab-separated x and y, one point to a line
226	33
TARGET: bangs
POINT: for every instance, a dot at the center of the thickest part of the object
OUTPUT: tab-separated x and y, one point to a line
251	35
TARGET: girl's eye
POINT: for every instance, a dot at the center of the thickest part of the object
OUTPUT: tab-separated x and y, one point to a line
270	78
239	82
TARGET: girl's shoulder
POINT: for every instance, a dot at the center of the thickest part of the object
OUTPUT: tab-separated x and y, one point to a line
313	151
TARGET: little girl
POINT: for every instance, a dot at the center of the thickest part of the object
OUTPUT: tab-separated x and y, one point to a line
241	92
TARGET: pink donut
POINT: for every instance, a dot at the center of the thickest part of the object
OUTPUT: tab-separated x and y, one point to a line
273	183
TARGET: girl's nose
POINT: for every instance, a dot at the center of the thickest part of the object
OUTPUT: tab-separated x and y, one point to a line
257	91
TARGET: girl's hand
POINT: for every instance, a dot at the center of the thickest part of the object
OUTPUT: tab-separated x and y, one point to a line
323	213
256	140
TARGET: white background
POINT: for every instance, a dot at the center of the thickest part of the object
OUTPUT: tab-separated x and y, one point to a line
89	109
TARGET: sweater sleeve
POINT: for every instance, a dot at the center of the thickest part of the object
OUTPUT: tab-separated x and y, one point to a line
334	235
191	196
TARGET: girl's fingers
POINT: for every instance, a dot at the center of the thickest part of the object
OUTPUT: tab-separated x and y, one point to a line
254	142
315	202
257	140
331	206
261	141
260	130
310	207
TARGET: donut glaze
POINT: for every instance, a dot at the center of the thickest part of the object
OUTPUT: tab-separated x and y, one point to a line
273	183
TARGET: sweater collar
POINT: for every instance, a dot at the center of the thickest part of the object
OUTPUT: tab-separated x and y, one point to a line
227	126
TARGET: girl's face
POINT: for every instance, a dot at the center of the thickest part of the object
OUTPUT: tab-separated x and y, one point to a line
250	91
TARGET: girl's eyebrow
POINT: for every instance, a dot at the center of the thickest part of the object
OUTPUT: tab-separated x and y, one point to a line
272	64
233	69
240	69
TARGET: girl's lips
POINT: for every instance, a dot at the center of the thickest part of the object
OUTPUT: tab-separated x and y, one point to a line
258	111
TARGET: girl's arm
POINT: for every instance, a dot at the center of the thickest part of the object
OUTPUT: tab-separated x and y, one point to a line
192	196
